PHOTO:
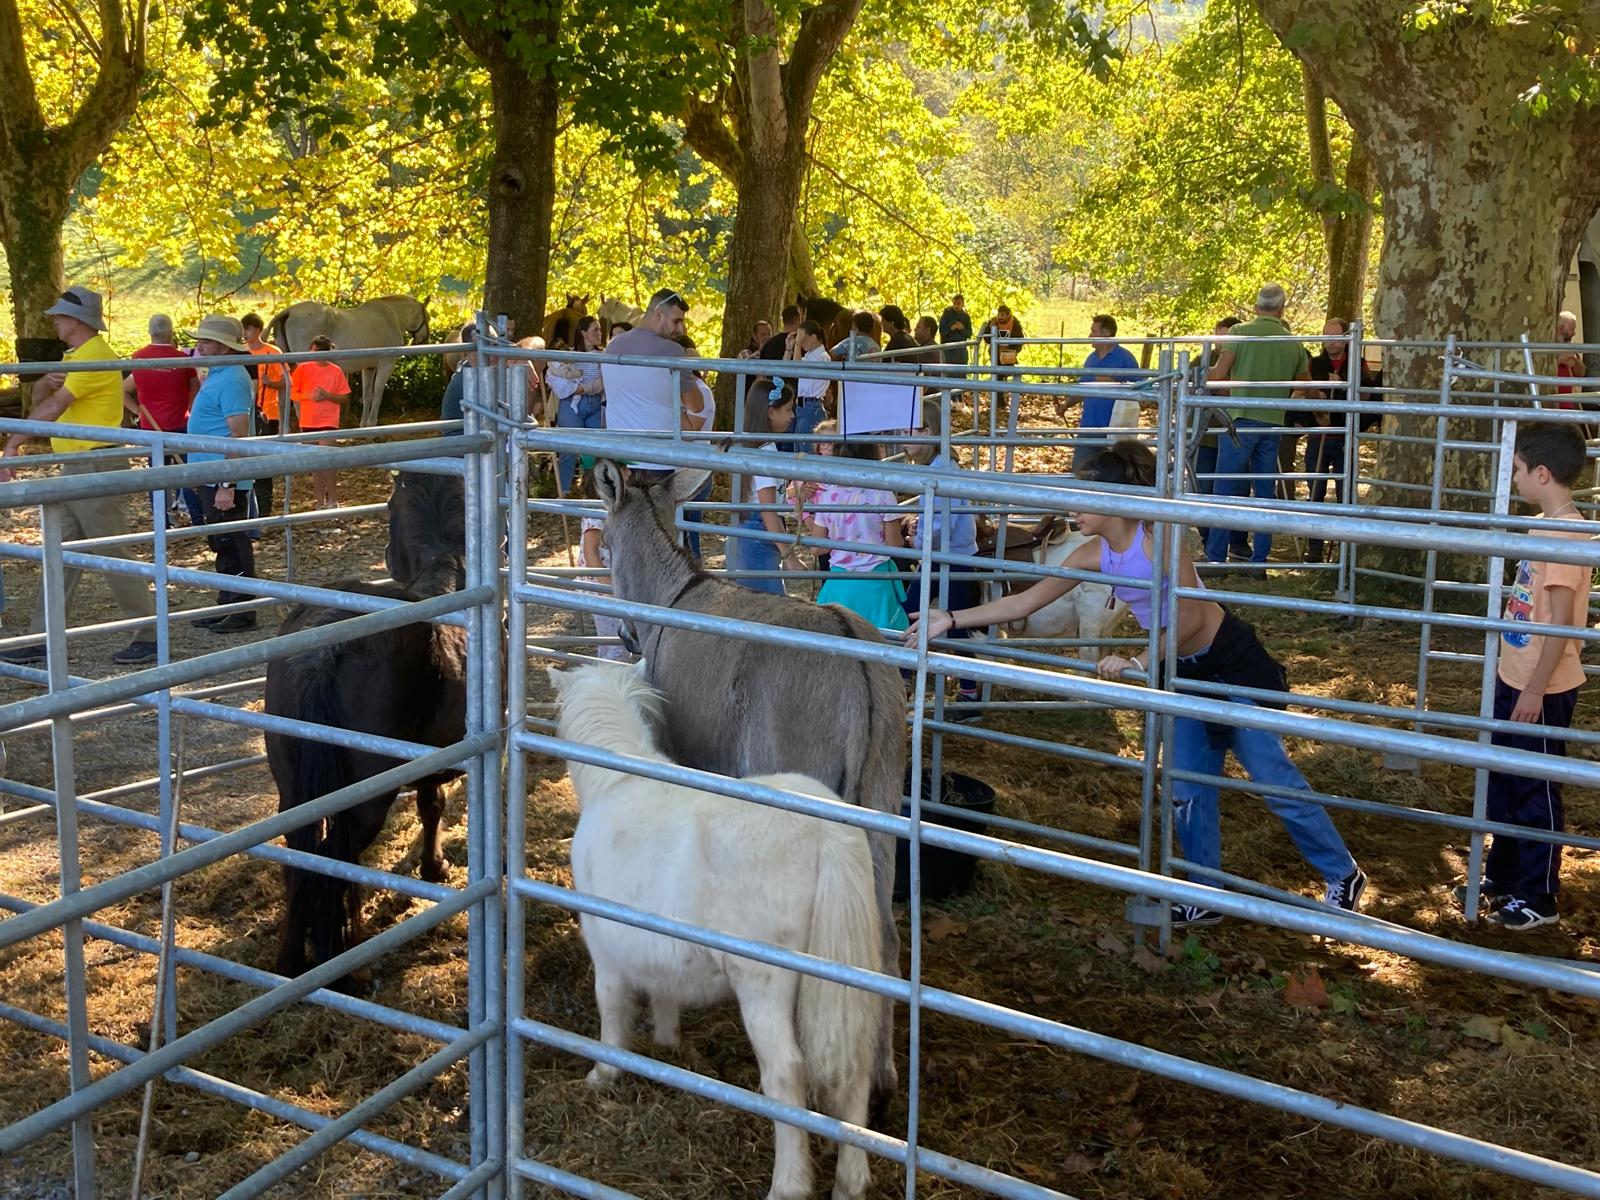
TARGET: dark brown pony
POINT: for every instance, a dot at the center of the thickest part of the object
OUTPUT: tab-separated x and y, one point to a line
407	683
834	318
561	326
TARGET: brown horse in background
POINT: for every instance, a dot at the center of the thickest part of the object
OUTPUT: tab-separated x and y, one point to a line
408	683
834	318
561	326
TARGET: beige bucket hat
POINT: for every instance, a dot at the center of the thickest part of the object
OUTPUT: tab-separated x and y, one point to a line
221	328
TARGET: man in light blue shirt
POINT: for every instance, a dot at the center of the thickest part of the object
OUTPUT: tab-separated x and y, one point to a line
1107	355
222	409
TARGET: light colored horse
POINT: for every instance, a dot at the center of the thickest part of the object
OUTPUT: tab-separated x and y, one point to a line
739	868
385	322
613	311
1088	611
744	708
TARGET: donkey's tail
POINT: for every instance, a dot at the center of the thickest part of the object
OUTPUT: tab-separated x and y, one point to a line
317	903
839	1026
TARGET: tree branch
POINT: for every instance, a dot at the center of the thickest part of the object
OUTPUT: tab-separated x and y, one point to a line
767	102
823	28
19	103
884	208
706	133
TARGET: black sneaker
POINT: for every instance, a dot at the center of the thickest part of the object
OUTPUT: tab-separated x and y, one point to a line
1346	894
1489	896
234	623
205	622
1187	916
1519	915
134	653
24	655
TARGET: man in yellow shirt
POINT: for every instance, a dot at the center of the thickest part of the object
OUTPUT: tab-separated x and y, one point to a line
85	398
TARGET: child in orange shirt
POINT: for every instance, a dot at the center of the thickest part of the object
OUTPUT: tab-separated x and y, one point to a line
1537	684
319	390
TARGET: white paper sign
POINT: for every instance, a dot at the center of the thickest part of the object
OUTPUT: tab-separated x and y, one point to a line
875	407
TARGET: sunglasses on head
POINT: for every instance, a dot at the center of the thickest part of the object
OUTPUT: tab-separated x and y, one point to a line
671	298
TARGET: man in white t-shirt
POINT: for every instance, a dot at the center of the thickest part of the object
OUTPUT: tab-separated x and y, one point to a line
653	398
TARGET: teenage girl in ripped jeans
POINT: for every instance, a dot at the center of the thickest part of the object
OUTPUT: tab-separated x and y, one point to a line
1213	645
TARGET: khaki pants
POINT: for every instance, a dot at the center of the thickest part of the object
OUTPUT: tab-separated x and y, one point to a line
105	517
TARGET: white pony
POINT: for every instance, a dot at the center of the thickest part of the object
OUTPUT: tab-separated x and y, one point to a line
375	324
740	868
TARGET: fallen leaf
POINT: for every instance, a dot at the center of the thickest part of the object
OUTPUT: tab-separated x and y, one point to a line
1079	1164
1148	962
1211	1000
1515	1042
1083	968
1125	1096
1305	990
1333	1051
1132	1129
1111	943
942	927
1485	1029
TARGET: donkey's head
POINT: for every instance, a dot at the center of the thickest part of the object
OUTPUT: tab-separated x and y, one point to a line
646	559
426	554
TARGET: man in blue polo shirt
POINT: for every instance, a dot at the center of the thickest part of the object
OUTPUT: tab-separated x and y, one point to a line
221	409
1107	355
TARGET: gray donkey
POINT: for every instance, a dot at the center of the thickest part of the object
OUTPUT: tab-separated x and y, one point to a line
744	708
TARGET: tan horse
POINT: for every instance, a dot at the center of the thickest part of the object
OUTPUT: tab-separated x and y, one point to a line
561	326
383	323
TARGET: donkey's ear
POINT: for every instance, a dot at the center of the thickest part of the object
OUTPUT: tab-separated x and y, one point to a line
608	482
686	483
558	680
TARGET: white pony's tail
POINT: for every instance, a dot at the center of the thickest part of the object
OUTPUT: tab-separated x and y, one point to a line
837	1025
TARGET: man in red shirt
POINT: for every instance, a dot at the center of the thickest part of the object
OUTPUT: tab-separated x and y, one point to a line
160	399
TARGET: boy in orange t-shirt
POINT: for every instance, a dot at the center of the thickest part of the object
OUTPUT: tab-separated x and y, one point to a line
318	390
269	386
1537	684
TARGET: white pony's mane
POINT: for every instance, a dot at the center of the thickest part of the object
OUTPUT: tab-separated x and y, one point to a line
609	706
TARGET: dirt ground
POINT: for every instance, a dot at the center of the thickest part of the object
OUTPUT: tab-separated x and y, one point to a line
1488	1059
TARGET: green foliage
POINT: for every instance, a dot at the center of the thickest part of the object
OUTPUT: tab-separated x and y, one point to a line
1195	186
415	388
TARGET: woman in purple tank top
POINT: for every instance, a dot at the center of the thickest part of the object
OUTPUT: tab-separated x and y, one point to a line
1214	645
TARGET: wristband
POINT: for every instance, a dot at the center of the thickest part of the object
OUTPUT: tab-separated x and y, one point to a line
954	624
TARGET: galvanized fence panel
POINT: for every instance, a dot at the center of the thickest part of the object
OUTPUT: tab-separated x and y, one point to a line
494	452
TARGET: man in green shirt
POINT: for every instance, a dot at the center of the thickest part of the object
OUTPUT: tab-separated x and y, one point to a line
1251	461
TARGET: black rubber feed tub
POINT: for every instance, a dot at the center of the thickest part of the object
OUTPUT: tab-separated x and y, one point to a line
944	872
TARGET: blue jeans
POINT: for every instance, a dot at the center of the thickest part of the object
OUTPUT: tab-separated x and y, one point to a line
578	412
749	554
1256	455
1195	806
808	414
692	539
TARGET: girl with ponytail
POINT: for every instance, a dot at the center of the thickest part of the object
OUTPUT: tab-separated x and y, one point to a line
1213	645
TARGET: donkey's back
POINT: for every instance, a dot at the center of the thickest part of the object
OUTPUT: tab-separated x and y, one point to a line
745	708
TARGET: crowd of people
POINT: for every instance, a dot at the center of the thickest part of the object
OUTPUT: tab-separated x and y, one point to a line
169	395
1259	360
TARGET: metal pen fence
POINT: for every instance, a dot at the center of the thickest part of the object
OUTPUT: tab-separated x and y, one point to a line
1004	429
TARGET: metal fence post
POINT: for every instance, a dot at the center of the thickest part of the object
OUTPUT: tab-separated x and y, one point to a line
75	980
